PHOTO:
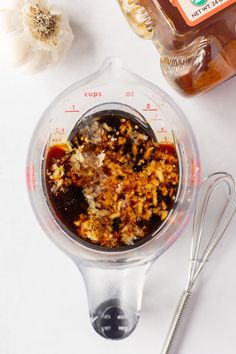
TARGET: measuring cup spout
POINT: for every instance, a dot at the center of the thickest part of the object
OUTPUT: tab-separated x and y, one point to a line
114	298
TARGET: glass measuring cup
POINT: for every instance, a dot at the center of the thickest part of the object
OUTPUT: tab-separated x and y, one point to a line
114	278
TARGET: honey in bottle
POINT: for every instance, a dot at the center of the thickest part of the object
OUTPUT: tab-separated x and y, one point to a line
196	39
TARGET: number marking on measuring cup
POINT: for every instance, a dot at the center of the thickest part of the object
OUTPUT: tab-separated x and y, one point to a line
73	109
154	118
59	131
149	108
129	93
162	130
57	140
58	135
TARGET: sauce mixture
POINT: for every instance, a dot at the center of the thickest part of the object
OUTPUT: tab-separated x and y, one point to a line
111	184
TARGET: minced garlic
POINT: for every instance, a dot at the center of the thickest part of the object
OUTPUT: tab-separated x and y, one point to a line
121	188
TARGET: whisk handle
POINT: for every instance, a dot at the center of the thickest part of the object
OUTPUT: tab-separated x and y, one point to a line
176	323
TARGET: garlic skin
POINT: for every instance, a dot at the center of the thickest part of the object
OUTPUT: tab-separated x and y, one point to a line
6	21
33	35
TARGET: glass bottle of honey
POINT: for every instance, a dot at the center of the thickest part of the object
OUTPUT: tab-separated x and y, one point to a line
196	39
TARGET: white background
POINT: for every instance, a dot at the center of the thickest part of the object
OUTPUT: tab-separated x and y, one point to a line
43	306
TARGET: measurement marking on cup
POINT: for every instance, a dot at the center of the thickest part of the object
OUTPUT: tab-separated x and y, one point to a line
129	93
155	118
58	135
30	178
149	108
162	130
93	94
57	140
60	131
72	110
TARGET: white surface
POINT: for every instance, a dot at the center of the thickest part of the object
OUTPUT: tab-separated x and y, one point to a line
43	306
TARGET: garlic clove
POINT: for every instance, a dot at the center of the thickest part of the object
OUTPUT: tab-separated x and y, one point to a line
64	39
13	50
38	62
6	17
66	35
42	3
10	4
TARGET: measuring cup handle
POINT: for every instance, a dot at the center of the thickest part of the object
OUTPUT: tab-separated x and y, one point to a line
176	323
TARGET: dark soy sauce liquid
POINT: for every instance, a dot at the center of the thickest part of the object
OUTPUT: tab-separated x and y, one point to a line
67	206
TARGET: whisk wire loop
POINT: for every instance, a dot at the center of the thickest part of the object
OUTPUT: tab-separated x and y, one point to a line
209	186
200	252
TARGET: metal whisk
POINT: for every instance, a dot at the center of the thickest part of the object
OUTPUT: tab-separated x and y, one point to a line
203	244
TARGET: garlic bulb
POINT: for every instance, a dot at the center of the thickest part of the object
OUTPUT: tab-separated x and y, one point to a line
33	35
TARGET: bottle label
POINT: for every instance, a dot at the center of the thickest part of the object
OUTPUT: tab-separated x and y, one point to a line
196	11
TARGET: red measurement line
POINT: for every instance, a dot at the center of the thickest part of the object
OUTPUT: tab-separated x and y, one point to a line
162	131
150	110
72	111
